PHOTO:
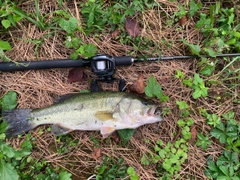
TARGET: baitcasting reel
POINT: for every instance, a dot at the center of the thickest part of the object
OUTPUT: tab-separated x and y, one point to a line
104	66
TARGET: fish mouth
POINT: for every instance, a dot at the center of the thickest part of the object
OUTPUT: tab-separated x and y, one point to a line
155	110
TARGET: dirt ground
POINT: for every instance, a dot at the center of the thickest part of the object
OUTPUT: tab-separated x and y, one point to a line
39	88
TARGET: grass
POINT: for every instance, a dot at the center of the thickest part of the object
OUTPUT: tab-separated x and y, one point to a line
200	94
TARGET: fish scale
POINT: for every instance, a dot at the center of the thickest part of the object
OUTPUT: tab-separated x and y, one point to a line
103	111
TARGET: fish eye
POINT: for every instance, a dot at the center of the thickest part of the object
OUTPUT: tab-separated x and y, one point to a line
157	111
145	103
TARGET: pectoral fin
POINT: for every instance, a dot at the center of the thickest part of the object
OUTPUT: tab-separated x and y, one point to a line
58	130
106	131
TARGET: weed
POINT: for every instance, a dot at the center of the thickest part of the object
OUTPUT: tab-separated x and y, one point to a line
196	49
170	157
87	50
213	119
228	134
95	16
203	141
70	25
184	108
229	116
180	13
9	101
185	130
221	32
4	45
206	66
126	134
10	157
145	160
9	13
220	24
111	168
98	16
166	111
183	10
40	169
226	167
174	154
66	144
154	89
179	74
194	7
95	141
132	173
198	86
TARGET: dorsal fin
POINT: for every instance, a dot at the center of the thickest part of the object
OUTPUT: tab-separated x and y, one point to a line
64	97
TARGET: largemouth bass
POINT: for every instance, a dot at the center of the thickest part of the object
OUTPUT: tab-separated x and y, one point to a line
104	111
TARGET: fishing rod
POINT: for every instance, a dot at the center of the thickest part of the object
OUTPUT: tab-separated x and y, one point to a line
102	65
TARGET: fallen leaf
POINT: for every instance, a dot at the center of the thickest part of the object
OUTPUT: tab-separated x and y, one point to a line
132	27
76	74
115	137
216	141
138	86
227	4
194	133
96	153
183	21
115	33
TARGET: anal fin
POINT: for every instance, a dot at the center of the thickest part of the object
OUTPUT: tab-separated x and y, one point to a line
58	130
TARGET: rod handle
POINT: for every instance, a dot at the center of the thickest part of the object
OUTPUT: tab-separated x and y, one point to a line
45	64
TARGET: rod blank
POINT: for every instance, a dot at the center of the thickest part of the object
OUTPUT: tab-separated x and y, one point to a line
185	57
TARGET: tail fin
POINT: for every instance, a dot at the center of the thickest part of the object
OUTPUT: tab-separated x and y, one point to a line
18	121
